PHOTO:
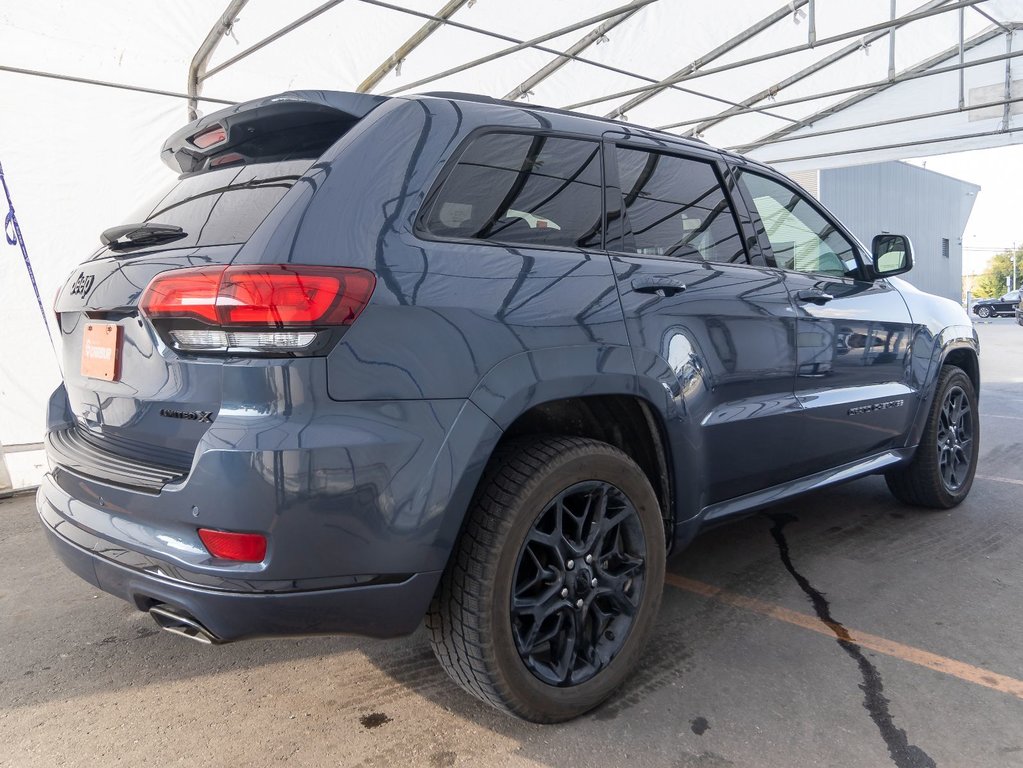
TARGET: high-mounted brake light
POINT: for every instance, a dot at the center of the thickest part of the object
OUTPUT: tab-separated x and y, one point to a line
228	545
257	308
212	137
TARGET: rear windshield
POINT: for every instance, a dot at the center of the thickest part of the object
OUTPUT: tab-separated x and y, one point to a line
220	206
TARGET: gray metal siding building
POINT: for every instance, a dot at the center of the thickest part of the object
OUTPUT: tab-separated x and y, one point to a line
929	207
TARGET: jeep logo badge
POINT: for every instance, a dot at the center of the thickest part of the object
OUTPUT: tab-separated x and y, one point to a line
82	285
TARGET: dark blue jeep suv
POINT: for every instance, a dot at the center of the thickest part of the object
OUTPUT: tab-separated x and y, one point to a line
369	360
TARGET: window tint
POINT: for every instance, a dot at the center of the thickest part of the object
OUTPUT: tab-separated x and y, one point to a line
801	238
675	207
519	188
224	205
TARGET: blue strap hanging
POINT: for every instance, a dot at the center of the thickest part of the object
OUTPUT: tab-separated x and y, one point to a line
13	234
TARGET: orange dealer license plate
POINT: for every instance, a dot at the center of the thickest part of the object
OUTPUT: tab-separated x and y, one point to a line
101	348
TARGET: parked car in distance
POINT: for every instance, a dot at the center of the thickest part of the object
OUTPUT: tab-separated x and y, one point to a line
1004	305
368	360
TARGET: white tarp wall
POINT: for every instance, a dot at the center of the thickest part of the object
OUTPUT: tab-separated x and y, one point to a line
77	156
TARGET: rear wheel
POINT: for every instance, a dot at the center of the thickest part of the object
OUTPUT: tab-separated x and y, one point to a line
941	473
555	583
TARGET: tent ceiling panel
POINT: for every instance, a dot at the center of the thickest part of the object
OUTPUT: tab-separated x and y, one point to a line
114	40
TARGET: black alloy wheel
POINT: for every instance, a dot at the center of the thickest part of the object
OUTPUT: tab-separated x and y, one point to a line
553	587
955	439
578	583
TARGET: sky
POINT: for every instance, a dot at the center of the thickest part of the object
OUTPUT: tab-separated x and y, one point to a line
996	222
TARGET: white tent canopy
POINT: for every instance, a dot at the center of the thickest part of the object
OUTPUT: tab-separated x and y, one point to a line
91	90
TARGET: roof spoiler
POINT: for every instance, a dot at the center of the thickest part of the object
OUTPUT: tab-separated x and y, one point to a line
260	129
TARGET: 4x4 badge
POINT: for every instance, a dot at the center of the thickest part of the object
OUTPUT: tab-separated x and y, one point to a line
82	285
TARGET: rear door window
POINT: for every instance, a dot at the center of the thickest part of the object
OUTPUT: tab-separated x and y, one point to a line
675	206
516	188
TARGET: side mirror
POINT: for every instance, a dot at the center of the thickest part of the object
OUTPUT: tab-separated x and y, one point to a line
891	255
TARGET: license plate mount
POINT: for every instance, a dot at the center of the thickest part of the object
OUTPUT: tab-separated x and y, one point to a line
101	351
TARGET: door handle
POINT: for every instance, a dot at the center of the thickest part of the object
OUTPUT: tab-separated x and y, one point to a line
814	296
664	287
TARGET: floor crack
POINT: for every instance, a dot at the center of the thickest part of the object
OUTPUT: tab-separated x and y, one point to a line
903	754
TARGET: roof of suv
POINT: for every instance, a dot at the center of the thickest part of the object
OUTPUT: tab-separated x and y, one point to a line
605	121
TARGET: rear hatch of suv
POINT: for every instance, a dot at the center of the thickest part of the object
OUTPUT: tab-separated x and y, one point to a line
142	360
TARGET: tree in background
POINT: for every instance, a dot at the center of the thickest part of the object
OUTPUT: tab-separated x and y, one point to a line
991	283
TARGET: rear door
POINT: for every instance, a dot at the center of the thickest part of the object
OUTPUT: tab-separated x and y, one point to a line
693	299
852	335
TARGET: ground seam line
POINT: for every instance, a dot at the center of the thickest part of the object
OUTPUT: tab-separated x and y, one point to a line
997	479
918	656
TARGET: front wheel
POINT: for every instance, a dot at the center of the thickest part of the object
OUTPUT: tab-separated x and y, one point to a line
941	473
984	312
555	583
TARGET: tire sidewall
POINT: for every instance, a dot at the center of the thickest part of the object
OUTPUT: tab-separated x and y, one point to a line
544	701
958	378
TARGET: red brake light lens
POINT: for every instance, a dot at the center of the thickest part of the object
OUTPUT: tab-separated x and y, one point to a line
228	545
282	296
210	138
184	293
272	297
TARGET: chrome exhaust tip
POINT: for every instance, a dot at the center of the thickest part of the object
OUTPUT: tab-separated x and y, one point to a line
180	623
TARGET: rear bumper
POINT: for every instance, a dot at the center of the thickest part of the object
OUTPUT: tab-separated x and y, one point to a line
375	610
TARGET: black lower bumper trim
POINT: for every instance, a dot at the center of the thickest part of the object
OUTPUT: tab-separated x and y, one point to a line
379	610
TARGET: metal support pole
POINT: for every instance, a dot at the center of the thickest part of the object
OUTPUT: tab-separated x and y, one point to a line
914	73
410	45
197	68
899	145
1007	113
891	45
869	34
875	124
811	26
593	36
6	486
270	38
927	67
734	42
962	58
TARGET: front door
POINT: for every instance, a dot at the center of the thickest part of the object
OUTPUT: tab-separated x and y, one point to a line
853	335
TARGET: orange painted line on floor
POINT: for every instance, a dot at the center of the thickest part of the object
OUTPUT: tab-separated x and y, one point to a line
1000	479
967	672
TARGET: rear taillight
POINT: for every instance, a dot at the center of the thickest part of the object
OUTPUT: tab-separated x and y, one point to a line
280	308
228	545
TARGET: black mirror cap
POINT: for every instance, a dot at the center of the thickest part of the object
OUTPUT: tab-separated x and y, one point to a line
891	255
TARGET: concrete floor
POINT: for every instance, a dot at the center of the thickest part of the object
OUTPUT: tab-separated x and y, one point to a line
929	675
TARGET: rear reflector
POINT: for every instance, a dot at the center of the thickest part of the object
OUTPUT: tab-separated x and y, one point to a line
228	545
209	138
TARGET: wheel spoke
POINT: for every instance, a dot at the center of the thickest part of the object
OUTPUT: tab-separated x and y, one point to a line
578	583
955	438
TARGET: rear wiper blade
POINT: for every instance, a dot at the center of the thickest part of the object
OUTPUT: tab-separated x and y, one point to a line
137	235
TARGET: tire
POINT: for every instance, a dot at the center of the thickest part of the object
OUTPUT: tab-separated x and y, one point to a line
507	547
984	312
941	473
